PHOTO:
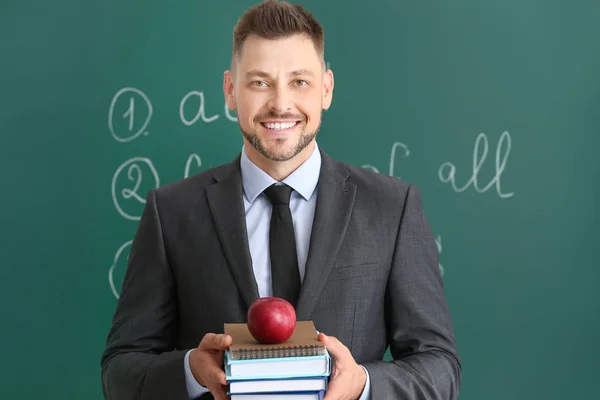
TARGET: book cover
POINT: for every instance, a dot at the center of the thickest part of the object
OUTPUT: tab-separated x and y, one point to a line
293	384
280	396
272	368
304	342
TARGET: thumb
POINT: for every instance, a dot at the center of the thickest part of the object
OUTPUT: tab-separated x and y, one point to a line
335	348
223	341
212	341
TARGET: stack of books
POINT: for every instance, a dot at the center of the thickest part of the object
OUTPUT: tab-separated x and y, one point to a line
297	369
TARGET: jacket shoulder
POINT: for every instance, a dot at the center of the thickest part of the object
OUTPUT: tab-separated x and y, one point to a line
189	190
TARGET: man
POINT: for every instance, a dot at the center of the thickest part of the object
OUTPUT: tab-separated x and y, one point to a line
363	259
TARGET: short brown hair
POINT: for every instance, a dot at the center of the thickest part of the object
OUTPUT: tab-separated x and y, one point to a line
274	19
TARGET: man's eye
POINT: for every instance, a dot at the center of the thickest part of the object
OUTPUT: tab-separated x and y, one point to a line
301	82
259	83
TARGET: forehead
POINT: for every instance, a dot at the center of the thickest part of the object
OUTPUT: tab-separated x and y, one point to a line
289	53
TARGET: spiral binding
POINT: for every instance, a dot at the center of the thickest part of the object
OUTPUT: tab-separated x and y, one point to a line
278	352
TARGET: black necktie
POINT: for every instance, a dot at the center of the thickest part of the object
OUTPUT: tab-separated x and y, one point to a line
282	245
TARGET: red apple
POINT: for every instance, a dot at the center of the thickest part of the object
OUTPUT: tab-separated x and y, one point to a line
271	320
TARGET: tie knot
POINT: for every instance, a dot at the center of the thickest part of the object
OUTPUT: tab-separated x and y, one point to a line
279	194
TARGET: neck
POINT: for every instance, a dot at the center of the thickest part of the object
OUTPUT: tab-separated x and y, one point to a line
278	170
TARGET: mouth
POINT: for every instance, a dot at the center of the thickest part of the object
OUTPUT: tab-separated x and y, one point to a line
280	126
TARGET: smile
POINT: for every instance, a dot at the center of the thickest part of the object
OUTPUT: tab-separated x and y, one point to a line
279	126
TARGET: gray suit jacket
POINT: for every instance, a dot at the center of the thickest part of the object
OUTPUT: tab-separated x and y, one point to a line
372	280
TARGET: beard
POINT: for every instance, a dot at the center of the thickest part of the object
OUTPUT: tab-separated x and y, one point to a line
280	153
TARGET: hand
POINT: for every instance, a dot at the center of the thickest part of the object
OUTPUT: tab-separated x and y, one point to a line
206	363
348	379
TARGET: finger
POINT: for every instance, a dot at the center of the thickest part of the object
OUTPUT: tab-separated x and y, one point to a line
216	383
218	386
219	376
208	372
337	350
333	391
219	393
214	341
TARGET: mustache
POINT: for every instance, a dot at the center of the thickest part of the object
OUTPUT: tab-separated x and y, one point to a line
275	115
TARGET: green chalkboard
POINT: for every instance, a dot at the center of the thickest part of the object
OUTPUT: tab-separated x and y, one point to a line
491	107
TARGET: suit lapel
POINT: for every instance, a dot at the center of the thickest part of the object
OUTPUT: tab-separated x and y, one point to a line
332	213
227	209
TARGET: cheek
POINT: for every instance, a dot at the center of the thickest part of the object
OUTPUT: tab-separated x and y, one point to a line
246	111
312	109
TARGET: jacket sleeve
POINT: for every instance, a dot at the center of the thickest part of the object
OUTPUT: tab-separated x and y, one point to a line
425	363
140	361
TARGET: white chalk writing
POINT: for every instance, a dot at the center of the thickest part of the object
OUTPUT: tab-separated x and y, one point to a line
229	115
111	271
195	158
438	242
392	163
199	114
450	175
130	114
134	173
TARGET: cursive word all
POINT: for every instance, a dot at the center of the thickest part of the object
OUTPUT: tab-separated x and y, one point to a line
447	171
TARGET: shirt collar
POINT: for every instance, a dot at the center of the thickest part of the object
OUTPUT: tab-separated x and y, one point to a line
303	180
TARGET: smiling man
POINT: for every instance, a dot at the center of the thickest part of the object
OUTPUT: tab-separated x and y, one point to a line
279	86
349	248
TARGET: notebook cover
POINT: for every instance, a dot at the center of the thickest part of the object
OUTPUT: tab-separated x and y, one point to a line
303	342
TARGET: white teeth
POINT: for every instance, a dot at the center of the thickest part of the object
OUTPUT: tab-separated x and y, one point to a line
280	126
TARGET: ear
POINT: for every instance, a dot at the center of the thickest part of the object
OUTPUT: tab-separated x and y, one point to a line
228	90
327	89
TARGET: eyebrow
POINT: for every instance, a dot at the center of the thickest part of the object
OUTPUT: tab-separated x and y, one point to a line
302	72
263	74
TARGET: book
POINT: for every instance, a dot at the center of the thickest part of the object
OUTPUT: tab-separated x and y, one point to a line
304	342
280	396
276	368
278	385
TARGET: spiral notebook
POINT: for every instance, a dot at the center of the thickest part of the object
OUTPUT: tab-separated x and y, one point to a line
303	342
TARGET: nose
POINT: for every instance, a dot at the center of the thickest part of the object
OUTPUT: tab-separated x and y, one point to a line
279	101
